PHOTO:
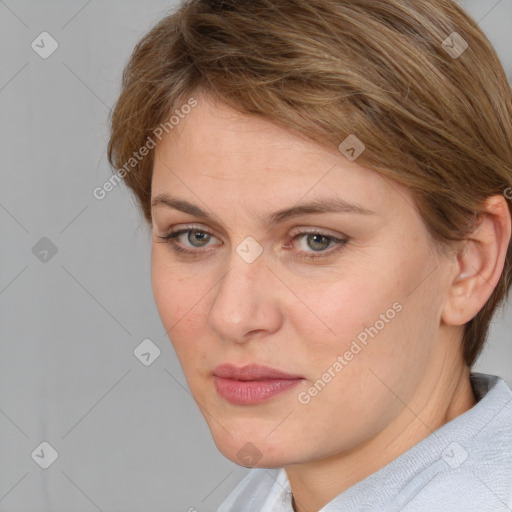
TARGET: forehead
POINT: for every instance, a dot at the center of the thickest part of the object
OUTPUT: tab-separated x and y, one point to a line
214	132
218	153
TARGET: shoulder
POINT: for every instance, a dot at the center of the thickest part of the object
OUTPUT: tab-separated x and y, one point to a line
475	469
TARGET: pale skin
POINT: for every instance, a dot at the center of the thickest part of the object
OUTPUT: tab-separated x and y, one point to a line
298	315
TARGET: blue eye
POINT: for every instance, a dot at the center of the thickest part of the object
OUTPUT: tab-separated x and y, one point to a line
201	236
320	242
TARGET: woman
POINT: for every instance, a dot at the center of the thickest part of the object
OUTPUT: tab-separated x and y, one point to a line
327	184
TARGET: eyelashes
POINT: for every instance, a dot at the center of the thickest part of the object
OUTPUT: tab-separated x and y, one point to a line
173	236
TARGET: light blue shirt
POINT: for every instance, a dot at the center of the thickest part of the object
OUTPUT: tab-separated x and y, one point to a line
464	466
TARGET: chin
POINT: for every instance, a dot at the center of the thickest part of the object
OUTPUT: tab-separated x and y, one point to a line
254	451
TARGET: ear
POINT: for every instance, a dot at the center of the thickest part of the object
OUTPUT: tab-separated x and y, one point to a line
479	263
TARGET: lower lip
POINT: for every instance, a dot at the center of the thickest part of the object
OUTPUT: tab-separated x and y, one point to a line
252	391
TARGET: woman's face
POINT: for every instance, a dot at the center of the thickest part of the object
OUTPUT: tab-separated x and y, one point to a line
358	327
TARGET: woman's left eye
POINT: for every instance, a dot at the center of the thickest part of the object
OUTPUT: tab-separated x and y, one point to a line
317	241
320	242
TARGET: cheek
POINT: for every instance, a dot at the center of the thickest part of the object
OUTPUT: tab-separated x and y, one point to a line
180	302
369	315
385	322
339	309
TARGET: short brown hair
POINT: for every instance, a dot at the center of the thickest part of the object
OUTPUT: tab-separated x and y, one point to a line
437	122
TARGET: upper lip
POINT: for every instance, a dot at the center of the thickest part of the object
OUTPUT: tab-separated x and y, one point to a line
251	372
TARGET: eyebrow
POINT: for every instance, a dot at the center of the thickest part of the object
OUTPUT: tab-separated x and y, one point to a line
329	204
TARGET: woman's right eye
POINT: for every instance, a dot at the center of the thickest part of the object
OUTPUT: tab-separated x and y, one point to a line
193	235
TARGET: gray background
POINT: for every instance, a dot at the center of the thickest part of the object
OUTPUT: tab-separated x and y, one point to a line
129	437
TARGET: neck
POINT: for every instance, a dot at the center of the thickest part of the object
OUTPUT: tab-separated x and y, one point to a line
439	399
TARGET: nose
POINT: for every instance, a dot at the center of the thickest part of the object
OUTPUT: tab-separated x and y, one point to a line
245	305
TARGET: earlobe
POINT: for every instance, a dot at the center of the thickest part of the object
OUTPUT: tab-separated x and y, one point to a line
480	263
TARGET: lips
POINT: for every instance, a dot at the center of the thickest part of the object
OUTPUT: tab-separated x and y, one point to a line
252	384
252	372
